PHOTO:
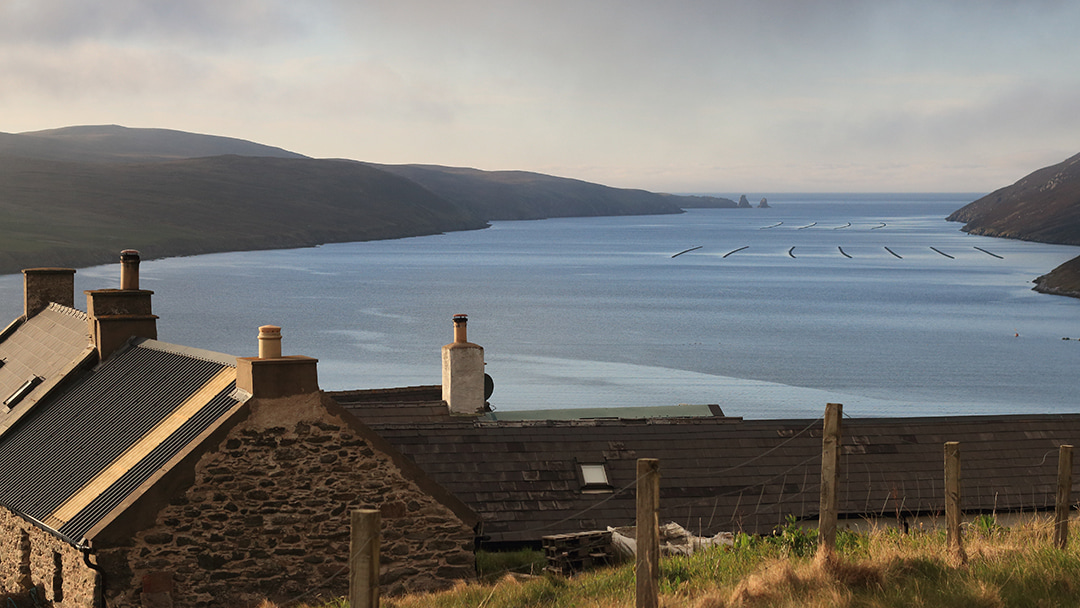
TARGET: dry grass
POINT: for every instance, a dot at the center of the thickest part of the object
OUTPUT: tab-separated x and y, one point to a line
1015	567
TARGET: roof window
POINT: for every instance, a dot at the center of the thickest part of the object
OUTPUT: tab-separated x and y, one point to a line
594	478
22	391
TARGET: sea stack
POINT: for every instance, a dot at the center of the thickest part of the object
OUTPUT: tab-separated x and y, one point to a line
743	203
764	204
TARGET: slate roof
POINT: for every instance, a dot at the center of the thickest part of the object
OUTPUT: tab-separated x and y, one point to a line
76	456
398	405
46	347
722	474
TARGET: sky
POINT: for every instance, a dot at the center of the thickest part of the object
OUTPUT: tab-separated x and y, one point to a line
717	96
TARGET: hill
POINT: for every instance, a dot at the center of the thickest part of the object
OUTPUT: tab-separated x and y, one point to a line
73	214
1063	280
1043	206
522	195
77	195
116	144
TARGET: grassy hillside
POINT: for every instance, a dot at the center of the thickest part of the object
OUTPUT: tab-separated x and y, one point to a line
76	196
521	195
116	144
1005	568
76	214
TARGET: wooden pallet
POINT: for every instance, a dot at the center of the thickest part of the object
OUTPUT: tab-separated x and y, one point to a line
568	554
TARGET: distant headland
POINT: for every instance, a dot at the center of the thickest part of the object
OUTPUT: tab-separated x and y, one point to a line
76	195
1044	207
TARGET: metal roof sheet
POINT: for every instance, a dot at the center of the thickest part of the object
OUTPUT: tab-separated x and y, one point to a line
105	502
69	440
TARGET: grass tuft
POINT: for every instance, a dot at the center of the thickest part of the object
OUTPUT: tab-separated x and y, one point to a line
1007	567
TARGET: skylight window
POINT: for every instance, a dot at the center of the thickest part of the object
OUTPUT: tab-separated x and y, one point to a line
22	391
594	477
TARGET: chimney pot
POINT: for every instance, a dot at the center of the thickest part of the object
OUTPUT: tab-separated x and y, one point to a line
129	269
460	334
269	342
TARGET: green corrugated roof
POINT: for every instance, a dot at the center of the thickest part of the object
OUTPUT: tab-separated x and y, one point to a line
683	410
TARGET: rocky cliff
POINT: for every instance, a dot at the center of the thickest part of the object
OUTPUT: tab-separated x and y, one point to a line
1043	206
1063	280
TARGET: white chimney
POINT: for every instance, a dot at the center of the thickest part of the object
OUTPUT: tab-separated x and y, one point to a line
463	372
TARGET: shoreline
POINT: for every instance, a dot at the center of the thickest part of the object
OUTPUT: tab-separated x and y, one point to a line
88	257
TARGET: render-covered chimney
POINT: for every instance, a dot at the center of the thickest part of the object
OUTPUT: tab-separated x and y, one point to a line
463	372
116	315
272	375
44	285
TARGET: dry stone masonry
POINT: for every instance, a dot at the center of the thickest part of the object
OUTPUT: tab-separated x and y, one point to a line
268	517
39	569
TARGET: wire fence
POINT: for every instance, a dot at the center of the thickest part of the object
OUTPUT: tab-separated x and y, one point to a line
751	500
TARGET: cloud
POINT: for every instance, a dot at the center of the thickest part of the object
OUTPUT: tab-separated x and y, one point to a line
629	92
207	22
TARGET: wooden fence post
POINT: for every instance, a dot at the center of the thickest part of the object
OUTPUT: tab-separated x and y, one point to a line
1064	496
952	501
830	481
647	574
364	559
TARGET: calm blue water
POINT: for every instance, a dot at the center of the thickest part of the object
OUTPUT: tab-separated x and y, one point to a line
596	312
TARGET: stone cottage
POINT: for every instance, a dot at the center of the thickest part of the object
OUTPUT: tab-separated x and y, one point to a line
137	472
530	474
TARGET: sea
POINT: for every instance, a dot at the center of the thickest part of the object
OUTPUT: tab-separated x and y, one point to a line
873	301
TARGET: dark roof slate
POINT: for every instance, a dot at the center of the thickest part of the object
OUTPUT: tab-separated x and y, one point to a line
46	346
721	474
398	405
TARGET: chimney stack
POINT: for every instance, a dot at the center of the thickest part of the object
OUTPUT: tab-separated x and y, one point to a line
129	269
44	285
463	372
116	315
271	375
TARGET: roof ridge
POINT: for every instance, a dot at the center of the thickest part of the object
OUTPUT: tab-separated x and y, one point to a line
185	351
67	310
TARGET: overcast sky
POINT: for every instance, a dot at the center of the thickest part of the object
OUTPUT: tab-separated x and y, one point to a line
686	96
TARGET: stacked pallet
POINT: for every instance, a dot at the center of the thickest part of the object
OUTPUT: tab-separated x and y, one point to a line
568	554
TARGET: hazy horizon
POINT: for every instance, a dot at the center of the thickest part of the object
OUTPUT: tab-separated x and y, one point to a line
774	96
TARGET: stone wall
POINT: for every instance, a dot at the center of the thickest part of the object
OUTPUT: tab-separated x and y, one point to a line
39	569
268	517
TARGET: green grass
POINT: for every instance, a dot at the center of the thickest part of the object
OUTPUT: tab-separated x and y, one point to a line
1006	567
491	566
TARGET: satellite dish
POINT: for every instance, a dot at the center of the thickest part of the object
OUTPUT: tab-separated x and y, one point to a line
489	387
